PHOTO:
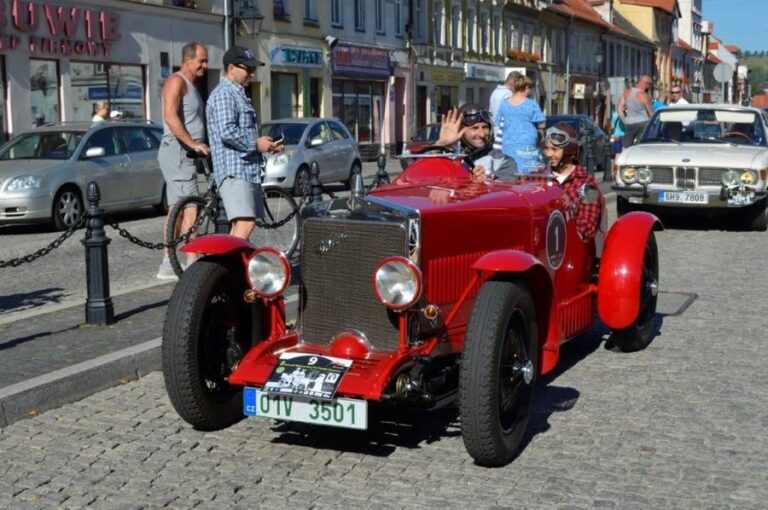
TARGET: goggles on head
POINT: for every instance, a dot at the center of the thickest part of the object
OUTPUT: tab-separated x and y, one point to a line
558	137
472	117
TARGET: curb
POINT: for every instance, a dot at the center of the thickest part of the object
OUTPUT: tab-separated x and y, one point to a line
73	383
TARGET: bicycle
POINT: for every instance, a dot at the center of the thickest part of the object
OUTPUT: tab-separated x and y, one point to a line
280	230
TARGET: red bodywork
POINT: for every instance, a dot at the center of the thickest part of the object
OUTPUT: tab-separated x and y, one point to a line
471	232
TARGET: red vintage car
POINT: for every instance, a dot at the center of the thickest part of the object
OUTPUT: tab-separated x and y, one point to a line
427	291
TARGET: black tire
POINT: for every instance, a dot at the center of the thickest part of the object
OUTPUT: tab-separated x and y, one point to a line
758	216
208	329
302	182
208	226
67	208
278	204
637	336
356	167
623	206
498	372
162	207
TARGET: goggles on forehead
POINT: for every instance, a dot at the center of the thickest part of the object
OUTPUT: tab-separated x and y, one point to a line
472	117
558	137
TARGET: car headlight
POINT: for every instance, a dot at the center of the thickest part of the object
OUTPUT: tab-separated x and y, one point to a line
283	158
644	175
628	174
268	272
748	177
397	282
24	183
730	178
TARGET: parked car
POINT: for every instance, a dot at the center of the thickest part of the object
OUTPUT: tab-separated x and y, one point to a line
326	141
589	135
426	291
423	137
44	172
699	158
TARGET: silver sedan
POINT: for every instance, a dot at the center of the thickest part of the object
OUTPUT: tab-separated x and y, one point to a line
44	173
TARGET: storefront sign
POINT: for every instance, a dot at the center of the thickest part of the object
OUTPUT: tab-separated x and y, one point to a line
295	56
360	61
484	72
447	77
66	30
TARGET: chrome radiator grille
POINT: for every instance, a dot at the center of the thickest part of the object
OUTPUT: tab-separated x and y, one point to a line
710	176
663	175
338	259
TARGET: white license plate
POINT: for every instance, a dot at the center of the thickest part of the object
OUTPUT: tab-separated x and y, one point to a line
339	412
684	197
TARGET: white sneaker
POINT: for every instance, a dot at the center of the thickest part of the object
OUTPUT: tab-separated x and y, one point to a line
166	271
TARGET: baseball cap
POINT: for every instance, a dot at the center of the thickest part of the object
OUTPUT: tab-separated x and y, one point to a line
242	56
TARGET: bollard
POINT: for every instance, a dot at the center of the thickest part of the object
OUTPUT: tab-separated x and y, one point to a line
221	221
98	305
382	177
315	185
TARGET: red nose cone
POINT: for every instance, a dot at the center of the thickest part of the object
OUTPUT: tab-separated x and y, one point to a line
349	344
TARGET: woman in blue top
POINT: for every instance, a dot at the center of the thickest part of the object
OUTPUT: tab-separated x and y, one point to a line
522	120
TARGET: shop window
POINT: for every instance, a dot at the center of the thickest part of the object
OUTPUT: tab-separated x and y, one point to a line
44	88
3	120
122	86
284	97
359	105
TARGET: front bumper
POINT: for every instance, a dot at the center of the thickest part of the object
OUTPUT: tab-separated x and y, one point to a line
25	208
716	199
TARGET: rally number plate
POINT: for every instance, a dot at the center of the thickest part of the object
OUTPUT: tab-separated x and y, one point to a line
339	412
683	197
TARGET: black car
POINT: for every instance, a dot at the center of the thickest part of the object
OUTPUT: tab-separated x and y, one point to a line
594	144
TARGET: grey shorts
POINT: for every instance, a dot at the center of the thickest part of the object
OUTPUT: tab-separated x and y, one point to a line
179	171
242	199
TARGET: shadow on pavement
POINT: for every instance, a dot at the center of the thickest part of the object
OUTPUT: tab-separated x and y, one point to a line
29	300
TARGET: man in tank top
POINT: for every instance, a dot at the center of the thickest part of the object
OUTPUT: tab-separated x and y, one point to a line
183	131
635	109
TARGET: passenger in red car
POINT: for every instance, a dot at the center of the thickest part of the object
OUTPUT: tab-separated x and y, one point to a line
561	150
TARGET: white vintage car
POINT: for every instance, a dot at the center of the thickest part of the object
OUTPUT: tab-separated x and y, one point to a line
699	156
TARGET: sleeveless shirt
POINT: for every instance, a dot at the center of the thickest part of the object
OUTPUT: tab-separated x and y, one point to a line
191	112
635	110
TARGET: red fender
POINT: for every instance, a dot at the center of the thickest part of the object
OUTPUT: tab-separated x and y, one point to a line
618	288
217	244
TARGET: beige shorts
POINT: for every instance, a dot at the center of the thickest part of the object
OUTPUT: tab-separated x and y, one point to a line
242	199
179	171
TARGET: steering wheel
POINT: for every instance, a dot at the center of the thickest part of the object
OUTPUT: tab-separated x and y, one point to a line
737	134
429	148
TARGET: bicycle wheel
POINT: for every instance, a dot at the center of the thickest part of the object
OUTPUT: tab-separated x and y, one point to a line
278	205
207	226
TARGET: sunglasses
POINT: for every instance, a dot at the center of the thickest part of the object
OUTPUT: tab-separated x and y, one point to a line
558	137
472	117
249	70
676	92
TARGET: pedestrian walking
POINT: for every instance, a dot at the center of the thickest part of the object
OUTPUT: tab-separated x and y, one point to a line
236	146
635	109
100	111
676	97
523	124
183	131
500	94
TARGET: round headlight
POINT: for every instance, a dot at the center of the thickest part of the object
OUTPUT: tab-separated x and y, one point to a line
730	178
629	174
644	175
748	177
268	272
397	282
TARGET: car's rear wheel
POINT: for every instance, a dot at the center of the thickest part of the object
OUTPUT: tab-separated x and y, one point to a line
208	329
638	335
162	206
67	208
301	185
498	372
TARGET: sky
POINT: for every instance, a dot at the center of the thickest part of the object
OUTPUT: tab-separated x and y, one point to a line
740	22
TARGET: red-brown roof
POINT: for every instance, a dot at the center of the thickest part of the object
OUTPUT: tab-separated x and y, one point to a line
712	58
684	45
713	45
732	48
669	6
579	9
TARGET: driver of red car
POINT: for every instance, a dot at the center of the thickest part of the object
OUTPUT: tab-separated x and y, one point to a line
561	148
471	127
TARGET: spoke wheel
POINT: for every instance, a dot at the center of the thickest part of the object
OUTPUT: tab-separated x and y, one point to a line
278	205
208	329
638	335
498	372
174	229
67	208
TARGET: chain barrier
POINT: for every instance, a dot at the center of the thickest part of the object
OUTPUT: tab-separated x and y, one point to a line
42	252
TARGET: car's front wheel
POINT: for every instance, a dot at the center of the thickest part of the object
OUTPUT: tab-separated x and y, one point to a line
67	208
356	168
623	206
208	329
758	216
498	372
302	182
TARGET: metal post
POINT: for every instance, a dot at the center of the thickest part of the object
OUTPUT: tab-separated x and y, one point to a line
382	177
315	186
98	305
221	221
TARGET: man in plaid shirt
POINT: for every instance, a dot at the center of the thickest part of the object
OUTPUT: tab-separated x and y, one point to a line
561	149
236	147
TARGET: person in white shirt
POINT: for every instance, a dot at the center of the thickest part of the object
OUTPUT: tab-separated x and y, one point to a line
500	94
100	111
676	96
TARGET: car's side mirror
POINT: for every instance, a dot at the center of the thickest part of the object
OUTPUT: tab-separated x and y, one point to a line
315	142
95	152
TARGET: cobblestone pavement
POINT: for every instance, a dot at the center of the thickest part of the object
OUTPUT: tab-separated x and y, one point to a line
682	424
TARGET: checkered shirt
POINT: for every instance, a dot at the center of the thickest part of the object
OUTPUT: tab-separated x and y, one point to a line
232	133
587	215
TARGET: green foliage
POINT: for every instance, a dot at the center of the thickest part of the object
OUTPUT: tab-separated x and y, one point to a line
757	63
